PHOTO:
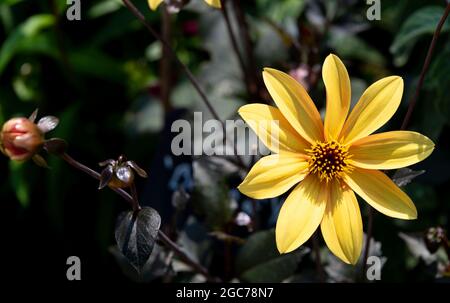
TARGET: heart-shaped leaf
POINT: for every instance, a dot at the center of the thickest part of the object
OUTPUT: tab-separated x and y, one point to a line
136	234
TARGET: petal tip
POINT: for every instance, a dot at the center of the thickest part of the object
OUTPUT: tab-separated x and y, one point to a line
332	56
268	70
398	79
285	250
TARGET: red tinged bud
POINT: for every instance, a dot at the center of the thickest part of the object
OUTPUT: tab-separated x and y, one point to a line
21	139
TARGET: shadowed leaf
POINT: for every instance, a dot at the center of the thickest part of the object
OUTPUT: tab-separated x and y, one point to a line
136	233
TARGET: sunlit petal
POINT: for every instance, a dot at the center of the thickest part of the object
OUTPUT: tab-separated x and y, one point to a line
272	128
295	104
381	193
274	175
214	3
390	150
342	224
337	84
153	4
376	106
300	214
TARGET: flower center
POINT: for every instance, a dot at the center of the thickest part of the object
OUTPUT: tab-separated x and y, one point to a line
328	160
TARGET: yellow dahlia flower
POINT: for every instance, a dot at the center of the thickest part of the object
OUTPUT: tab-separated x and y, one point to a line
153	4
332	160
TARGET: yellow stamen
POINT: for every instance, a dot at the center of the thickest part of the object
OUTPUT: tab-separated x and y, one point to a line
328	160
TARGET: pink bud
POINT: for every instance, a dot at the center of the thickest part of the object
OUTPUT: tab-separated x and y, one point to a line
21	139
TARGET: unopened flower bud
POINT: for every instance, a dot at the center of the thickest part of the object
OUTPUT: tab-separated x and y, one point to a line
21	139
119	173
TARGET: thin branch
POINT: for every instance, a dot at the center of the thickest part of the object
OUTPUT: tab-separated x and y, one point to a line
234	44
97	176
188	260
316	249
133	201
252	71
134	10
134	194
166	60
426	64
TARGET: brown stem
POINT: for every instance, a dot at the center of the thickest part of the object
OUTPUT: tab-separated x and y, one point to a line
234	43
133	202
134	195
316	248
134	10
166	60
426	64
188	260
97	176
252	72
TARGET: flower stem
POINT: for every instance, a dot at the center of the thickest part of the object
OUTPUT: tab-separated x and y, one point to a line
234	44
134	195
426	64
166	61
135	11
169	50
188	260
97	176
134	203
256	88
316	248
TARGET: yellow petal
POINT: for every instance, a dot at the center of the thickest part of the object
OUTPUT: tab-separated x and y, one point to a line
390	150
376	106
295	104
274	175
381	193
214	3
153	4
342	224
300	214
337	84
272	128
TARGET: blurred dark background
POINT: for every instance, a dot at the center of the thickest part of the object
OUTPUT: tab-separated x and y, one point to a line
102	77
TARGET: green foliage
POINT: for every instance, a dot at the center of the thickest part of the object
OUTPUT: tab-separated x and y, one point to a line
102	77
259	260
19	182
421	22
27	30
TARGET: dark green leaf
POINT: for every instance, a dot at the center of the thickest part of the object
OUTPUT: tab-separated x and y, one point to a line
259	260
275	270
423	21
29	28
259	248
136	233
